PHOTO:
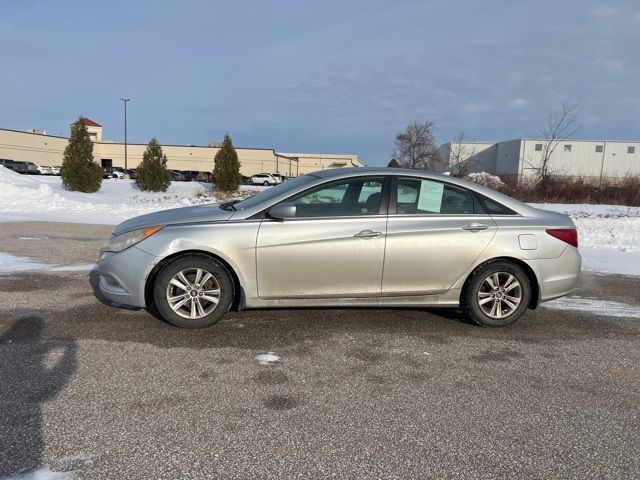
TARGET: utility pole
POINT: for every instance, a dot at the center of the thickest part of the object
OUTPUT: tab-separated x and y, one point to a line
126	173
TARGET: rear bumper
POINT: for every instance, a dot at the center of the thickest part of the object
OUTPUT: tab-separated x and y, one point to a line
558	276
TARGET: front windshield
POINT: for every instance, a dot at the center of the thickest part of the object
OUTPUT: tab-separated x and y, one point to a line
273	192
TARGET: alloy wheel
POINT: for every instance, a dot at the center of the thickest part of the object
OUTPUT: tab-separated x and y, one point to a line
499	295
193	293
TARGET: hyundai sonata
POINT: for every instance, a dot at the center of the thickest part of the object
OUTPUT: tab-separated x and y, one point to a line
367	237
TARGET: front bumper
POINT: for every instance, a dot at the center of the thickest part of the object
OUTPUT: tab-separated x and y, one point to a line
123	275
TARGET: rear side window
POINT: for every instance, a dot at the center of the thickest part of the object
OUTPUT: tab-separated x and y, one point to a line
494	208
415	196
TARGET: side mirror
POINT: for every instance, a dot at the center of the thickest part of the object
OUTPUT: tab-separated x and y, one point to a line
282	211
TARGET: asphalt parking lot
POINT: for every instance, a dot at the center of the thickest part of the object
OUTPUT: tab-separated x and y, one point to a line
110	393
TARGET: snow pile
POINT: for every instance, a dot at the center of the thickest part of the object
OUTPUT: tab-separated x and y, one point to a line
608	235
485	179
25	197
611	227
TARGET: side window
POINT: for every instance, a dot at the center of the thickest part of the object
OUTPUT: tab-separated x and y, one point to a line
415	196
494	208
358	196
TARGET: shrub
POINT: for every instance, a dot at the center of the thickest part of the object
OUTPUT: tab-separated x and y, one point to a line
569	190
79	172
152	173
226	171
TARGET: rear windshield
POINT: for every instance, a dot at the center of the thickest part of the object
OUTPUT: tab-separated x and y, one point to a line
273	192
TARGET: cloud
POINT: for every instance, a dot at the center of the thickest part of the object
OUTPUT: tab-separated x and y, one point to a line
518	103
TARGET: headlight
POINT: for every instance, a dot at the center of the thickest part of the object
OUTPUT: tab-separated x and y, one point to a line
117	243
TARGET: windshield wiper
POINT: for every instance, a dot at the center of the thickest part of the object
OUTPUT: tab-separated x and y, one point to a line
229	205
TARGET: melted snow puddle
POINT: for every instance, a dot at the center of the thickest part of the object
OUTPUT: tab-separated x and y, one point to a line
594	305
12	263
269	358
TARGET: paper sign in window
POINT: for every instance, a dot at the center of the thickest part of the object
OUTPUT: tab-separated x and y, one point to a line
430	198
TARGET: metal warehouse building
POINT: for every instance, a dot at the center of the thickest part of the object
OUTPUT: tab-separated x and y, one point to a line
591	160
37	147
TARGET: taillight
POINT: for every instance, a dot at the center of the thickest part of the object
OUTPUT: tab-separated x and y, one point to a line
567	235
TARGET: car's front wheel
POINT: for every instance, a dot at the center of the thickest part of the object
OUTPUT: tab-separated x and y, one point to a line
193	292
497	294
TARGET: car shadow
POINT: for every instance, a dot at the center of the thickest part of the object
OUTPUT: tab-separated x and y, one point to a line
33	371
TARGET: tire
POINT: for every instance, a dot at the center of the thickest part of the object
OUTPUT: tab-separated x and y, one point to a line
168	285
497	309
266	184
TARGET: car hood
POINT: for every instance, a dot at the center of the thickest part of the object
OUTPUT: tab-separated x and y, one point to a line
198	213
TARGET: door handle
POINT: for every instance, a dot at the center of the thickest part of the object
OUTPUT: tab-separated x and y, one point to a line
475	227
367	234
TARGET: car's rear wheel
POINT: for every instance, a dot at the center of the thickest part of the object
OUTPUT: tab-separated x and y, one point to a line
193	292
497	294
266	184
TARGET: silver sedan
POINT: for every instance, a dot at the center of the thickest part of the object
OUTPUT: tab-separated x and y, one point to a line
365	237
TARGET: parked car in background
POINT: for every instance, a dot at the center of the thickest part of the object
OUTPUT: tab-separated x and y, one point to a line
275	176
32	168
346	237
204	177
265	179
20	167
8	164
247	180
176	176
44	169
118	173
55	170
278	177
133	173
190	175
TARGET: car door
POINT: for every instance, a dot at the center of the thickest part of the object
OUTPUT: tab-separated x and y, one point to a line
334	247
435	231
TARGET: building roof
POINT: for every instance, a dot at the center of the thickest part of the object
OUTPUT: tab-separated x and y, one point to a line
90	123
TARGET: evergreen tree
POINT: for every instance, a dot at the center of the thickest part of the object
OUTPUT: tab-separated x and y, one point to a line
79	172
393	163
152	173
226	172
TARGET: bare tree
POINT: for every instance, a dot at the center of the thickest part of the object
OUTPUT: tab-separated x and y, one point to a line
561	125
460	157
415	147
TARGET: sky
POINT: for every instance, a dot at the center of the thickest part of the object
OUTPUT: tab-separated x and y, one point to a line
323	76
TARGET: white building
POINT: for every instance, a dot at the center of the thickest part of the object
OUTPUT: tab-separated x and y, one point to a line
589	160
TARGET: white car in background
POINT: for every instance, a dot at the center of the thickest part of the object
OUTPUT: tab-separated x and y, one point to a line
55	170
265	179
44	169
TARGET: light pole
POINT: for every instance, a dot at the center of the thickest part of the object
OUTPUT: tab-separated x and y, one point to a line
126	173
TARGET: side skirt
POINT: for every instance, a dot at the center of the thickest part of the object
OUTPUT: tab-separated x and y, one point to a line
447	299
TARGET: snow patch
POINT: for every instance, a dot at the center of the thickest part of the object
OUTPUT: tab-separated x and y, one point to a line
44	198
12	263
43	474
32	238
269	358
485	179
594	305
